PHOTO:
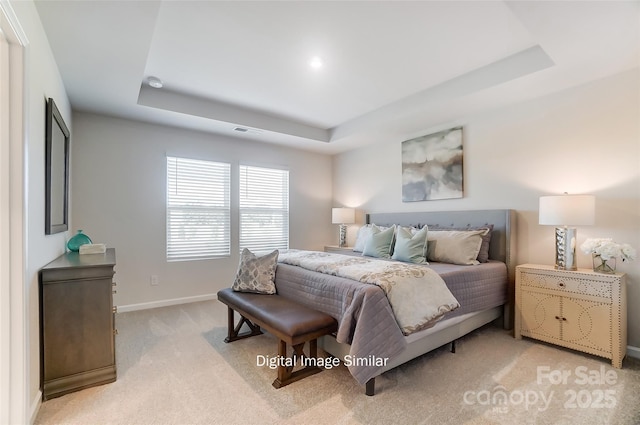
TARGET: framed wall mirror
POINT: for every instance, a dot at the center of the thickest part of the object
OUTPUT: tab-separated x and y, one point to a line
56	171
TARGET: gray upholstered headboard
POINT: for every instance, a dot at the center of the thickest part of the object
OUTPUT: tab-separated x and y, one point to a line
503	238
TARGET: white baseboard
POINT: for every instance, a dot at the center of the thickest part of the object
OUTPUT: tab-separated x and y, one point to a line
633	352
165	303
35	407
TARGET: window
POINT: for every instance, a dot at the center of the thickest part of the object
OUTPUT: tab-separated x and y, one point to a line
198	209
264	208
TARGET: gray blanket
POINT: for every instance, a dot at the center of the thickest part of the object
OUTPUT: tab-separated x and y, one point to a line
364	315
350	303
418	296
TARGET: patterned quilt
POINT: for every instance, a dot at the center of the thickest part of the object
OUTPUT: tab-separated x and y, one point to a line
418	296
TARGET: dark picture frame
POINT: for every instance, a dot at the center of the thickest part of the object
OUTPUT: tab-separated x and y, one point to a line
56	171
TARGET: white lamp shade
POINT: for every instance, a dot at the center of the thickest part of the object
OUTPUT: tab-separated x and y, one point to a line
567	210
343	215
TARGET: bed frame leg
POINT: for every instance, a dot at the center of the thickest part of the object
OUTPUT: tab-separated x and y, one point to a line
453	346
370	388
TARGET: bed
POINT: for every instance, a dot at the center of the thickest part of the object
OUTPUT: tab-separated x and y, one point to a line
369	340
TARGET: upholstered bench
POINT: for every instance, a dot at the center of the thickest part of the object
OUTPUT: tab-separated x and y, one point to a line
290	322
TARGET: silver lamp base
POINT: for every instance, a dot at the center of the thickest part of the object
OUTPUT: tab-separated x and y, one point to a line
566	248
343	236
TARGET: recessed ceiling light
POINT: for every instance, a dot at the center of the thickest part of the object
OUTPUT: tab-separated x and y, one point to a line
155	82
315	62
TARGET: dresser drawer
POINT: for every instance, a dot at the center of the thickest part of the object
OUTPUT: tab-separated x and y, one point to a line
77	323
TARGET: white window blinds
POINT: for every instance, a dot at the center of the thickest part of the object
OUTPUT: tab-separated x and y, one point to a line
198	209
264	208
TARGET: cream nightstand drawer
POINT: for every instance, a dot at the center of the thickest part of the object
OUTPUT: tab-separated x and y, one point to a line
581	282
582	310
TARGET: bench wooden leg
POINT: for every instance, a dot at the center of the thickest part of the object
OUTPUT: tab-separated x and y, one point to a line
313	348
284	372
233	333
286	375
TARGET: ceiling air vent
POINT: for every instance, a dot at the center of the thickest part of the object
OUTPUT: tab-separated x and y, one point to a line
248	130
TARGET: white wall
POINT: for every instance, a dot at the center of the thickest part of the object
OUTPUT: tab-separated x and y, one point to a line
119	186
42	81
582	140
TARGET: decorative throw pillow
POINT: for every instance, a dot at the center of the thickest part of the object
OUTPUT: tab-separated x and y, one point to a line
411	229
455	246
363	235
483	254
380	243
411	247
256	274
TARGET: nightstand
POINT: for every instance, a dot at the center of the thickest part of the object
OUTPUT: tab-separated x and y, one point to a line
582	310
338	250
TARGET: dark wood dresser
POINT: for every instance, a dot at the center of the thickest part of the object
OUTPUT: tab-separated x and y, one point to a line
77	323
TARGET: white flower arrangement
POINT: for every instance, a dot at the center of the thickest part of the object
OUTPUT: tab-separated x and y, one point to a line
607	249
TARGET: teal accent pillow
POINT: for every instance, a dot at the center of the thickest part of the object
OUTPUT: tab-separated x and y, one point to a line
380	242
411	248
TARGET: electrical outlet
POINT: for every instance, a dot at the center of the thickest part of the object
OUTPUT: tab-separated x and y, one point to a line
154	280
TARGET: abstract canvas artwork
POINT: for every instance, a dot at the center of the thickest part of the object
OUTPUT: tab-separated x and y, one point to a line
432	166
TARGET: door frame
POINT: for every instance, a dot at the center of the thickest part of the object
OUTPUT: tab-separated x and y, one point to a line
14	374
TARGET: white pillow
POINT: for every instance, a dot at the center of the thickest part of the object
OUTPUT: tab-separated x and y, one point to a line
363	234
410	229
455	246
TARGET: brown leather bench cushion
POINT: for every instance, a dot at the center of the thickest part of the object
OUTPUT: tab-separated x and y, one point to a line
284	316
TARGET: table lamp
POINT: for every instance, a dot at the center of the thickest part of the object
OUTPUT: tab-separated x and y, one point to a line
343	216
563	211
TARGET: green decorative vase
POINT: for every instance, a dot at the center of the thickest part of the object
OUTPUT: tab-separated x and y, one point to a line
77	240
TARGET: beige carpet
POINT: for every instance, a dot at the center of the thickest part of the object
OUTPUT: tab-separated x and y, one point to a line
174	368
